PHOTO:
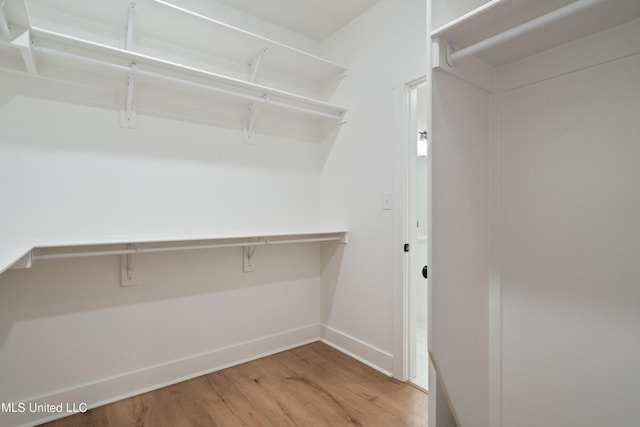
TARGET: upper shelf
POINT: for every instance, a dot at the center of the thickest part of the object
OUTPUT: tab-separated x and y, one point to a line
497	16
162	59
241	44
47	43
161	29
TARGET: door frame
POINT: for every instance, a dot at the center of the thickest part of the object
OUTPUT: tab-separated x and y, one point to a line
404	183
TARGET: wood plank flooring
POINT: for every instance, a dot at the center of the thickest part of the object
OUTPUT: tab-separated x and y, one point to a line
313	385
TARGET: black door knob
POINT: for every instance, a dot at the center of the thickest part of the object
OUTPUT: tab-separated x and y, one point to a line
425	271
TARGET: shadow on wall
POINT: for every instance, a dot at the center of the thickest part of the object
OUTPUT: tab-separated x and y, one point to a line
59	287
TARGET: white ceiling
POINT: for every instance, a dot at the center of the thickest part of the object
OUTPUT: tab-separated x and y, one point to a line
316	19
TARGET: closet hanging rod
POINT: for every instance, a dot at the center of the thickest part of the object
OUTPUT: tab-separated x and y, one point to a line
263	242
262	99
536	23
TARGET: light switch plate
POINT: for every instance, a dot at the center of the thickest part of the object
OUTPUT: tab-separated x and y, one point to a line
387	201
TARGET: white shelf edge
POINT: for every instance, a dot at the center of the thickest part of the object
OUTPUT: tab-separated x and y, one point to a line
339	67
132	56
439	32
13	250
168	238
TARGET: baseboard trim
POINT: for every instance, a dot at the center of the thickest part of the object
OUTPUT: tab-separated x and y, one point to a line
132	383
113	389
371	356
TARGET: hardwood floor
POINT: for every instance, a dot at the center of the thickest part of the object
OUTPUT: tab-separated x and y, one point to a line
313	385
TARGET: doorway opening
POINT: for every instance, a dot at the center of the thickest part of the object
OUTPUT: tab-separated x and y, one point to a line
417	213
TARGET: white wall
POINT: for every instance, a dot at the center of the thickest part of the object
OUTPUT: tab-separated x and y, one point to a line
570	294
384	48
68	331
69	169
460	232
535	301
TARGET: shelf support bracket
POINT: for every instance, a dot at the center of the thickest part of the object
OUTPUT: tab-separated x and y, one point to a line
23	43
248	263
253	65
129	274
251	121
128	41
5	30
449	49
128	117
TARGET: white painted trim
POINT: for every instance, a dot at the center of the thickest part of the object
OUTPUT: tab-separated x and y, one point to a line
495	284
150	378
432	409
371	356
403	181
400	236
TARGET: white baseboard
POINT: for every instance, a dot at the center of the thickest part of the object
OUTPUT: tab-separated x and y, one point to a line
369	355
116	388
132	383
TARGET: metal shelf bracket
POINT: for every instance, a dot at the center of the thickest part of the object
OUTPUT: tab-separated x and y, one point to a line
23	43
128	117
252	115
129	274
131	14
5	29
253	65
248	262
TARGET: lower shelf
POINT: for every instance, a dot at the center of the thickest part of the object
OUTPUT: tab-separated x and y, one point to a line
23	253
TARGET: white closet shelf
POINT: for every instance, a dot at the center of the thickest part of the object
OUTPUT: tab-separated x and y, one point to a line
245	44
157	22
235	74
22	253
45	42
500	16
